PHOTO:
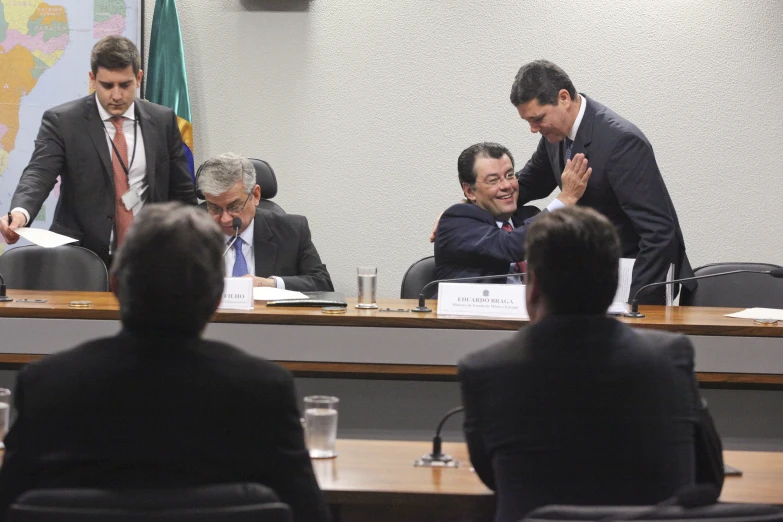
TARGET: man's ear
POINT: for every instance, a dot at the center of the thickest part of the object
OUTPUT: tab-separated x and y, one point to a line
564	98
469	191
256	194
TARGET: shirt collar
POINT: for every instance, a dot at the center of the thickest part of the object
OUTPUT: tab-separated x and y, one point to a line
105	116
247	235
578	120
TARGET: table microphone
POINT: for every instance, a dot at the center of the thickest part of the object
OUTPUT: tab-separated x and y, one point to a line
775	272
236	224
423	308
437	457
689	497
3	297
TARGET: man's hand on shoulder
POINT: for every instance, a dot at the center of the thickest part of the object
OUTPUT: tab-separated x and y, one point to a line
574	180
18	221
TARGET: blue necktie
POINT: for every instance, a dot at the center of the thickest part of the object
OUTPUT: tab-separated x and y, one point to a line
568	144
240	264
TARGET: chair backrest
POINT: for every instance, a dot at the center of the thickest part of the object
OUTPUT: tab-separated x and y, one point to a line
714	512
737	290
61	268
266	179
214	503
419	274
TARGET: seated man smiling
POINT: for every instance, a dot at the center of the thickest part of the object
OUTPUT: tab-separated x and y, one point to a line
274	249
486	236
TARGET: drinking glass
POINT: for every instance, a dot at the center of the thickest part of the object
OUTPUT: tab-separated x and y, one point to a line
367	277
320	425
5	410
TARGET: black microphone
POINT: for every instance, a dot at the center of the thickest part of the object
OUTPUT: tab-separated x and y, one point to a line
3	297
437	457
689	497
775	272
423	308
236	224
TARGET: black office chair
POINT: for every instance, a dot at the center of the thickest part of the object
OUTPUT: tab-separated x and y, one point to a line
737	290
419	274
266	179
216	503
718	512
61	268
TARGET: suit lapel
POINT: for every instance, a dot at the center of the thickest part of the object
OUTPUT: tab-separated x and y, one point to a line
264	250
151	138
97	133
584	135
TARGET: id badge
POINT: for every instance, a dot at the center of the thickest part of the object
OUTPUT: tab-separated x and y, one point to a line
131	198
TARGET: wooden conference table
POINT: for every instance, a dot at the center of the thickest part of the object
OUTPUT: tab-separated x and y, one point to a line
376	480
383	344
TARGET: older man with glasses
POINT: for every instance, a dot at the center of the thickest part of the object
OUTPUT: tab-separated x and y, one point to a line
274	249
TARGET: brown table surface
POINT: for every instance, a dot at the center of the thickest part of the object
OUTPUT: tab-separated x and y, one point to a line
689	320
683	319
382	472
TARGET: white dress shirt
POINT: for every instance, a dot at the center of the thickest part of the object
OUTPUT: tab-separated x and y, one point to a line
248	250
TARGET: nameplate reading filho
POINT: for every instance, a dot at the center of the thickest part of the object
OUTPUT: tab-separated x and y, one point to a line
482	300
237	294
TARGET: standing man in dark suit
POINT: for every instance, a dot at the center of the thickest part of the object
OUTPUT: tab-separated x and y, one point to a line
274	249
112	153
156	406
486	236
579	408
626	185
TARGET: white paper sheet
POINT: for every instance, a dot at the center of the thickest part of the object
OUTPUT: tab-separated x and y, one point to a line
759	313
268	293
44	238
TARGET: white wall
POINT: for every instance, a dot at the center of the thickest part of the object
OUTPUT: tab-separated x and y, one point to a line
363	106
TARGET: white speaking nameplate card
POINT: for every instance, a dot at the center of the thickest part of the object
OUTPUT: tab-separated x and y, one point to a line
482	300
237	294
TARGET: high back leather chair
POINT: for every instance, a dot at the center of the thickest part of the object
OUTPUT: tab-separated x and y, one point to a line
711	513
216	503
61	268
737	290
266	179
419	274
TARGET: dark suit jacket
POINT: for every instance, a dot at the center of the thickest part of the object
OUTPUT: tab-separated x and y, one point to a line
586	410
468	242
136	411
625	186
283	248
72	144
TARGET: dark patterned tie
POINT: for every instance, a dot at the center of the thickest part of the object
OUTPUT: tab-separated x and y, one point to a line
568	146
240	263
122	216
521	266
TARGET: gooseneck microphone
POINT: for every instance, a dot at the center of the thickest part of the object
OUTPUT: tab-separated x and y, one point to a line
3	297
423	308
775	272
236	224
437	457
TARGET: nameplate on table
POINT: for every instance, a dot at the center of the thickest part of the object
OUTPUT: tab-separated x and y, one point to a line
237	294
482	300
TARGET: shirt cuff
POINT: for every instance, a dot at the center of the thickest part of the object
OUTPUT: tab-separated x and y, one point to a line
279	282
23	211
555	205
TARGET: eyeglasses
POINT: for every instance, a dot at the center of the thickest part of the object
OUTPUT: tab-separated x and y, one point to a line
232	210
493	181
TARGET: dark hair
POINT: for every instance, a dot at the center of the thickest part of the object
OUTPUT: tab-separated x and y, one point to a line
467	159
169	272
540	80
115	52
574	253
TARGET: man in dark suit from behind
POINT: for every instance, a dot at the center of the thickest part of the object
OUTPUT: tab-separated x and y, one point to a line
579	408
486	236
276	250
156	406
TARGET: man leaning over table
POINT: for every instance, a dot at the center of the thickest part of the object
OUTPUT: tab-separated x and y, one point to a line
157	406
579	408
274	249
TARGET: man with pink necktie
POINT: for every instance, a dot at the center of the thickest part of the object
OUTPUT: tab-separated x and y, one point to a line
112	152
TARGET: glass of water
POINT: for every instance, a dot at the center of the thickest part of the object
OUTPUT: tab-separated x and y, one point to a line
367	277
5	410
320	417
